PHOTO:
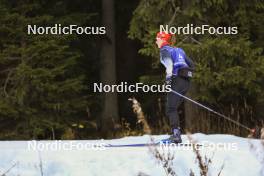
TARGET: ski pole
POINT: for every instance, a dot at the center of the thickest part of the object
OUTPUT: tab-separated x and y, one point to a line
211	110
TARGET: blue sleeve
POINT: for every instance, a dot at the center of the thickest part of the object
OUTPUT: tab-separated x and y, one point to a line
166	60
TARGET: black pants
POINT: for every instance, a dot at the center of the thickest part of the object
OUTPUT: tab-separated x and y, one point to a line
180	85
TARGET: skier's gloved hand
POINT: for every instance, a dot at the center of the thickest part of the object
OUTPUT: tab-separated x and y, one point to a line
168	80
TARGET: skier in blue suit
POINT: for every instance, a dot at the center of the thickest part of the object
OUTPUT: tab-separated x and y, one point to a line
178	73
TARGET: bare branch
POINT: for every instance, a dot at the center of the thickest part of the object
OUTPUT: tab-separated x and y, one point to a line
13	58
6	81
140	115
4	174
183	40
196	41
164	158
40	165
176	9
7	70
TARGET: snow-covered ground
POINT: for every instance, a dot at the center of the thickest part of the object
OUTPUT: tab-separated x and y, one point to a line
57	159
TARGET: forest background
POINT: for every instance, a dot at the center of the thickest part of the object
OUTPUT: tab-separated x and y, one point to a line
46	81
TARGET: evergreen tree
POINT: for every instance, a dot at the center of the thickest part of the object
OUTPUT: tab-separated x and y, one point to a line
42	82
229	68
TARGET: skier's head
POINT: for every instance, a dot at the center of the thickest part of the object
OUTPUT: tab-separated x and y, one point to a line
162	39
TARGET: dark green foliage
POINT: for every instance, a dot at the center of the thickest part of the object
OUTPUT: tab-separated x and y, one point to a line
46	80
229	68
41	79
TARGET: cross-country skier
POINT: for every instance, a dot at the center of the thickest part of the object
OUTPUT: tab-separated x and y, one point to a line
178	73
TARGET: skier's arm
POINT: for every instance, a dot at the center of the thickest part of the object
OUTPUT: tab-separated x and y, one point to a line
190	63
166	60
188	60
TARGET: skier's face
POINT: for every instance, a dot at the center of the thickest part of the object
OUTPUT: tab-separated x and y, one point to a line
159	42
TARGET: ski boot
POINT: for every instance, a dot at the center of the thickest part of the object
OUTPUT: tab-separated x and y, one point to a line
174	138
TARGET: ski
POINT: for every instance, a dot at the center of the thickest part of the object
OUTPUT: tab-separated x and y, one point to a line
152	144
132	145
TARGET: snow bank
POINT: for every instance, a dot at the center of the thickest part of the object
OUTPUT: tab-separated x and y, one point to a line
128	161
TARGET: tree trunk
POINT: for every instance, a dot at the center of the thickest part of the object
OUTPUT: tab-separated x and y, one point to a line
190	110
109	116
